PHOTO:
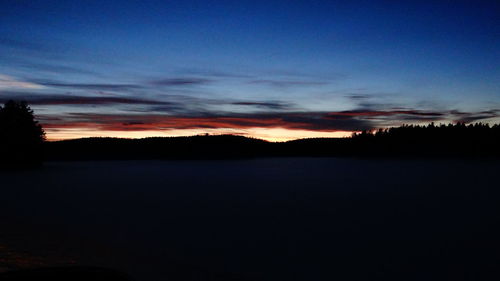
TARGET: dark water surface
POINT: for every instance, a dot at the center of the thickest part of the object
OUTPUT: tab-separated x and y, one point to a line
261	219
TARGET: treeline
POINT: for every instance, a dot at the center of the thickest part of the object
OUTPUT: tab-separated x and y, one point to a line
432	140
21	137
452	140
23	144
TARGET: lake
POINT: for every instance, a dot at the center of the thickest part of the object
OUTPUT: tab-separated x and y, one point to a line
257	219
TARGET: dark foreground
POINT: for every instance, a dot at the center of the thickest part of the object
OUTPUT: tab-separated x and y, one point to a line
262	219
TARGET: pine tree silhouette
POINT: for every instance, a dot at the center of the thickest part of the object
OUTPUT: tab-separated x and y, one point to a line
21	137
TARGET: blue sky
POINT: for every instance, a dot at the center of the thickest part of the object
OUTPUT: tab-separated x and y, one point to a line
270	69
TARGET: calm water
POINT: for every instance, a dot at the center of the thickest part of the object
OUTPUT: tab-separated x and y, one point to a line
262	219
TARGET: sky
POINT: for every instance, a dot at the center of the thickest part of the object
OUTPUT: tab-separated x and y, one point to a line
276	70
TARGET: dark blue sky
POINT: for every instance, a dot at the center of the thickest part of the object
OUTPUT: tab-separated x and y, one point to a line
271	69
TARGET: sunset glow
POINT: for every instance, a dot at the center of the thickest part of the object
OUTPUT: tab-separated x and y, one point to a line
265	69
271	134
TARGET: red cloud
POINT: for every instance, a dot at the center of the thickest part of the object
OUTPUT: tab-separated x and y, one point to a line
317	121
156	122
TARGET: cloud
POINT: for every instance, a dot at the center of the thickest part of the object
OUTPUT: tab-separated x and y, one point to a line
79	100
214	73
312	121
265	105
118	86
359	97
51	68
466	117
287	83
385	118
7	82
180	81
87	86
385	113
300	74
136	122
181	112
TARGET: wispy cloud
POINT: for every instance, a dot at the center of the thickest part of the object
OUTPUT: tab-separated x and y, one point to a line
466	117
214	73
358	113
265	105
181	112
45	67
87	86
312	121
305	121
8	82
182	81
359	97
43	99
287	83
166	82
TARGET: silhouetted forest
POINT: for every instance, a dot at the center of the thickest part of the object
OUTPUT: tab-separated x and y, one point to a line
23	143
432	140
452	140
21	137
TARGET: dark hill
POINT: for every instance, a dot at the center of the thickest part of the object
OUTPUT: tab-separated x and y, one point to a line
195	147
459	140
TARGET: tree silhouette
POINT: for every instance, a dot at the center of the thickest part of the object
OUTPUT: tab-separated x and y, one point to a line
432	140
21	137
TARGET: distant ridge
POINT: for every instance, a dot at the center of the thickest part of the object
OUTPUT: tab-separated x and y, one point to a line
453	140
215	146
